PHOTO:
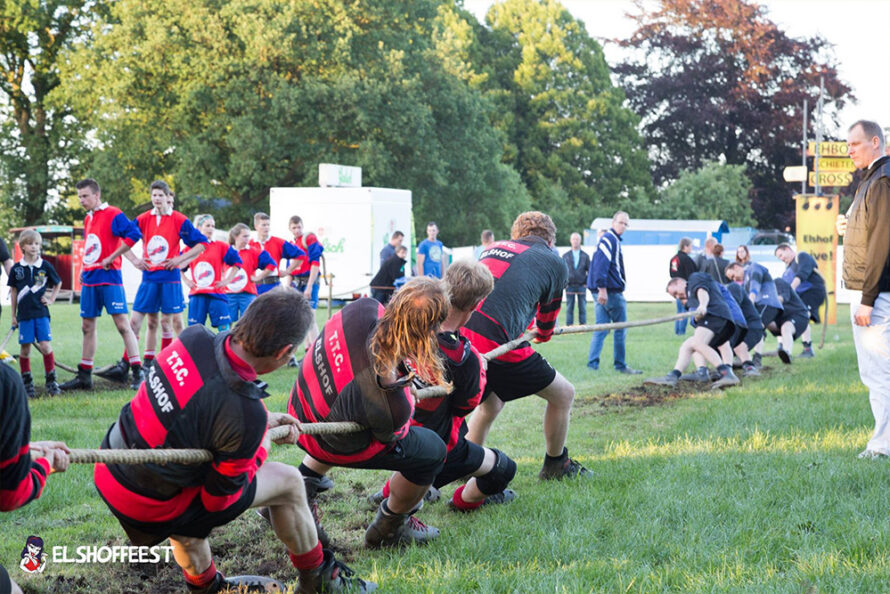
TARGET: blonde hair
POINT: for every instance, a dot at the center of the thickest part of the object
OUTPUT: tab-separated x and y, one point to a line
235	231
535	223
407	330
469	282
202	218
30	236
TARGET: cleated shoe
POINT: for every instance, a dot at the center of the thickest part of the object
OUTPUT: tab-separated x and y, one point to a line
376	498
784	355
872	455
30	391
807	353
757	359
713	375
138	376
432	495
82	381
699	375
750	371
116	373
727	379
332	576
667	380
391	530
562	467
240	584
52	386
505	496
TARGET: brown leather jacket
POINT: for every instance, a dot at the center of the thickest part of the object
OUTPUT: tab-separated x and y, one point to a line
867	240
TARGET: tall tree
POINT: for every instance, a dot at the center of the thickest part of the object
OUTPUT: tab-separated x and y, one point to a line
717	79
38	138
715	191
568	133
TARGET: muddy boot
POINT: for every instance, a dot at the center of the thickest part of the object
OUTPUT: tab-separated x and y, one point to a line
116	373
138	376
784	355
750	370
82	381
332	576
390	529
699	375
52	386
757	359
670	379
727	378
30	392
562	467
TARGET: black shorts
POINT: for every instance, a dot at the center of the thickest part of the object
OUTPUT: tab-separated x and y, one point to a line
813	299
510	381
768	314
5	582
800	322
721	328
753	337
195	522
419	456
738	336
464	459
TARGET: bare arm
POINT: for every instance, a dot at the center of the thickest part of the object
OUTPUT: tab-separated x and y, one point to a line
185	258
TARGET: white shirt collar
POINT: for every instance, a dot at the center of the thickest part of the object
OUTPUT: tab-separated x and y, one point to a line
36	264
157	212
875	161
101	206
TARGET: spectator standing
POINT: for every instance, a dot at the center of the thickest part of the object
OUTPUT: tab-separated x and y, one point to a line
708	263
383	283
430	253
485	241
866	230
742	256
682	265
389	250
721	263
607	281
578	263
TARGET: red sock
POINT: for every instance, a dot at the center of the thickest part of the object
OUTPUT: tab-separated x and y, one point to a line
125	355
166	341
386	489
86	363
309	560
203	580
459	502
25	364
49	362
149	356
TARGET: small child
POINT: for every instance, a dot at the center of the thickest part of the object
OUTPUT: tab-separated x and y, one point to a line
28	281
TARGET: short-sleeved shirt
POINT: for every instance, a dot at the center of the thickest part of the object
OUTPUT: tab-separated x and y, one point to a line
161	234
432	253
104	229
805	268
207	269
31	282
716	303
251	262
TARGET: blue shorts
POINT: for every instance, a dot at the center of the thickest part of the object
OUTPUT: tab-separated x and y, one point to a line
300	285
200	306
264	287
36	330
238	303
163	297
94	298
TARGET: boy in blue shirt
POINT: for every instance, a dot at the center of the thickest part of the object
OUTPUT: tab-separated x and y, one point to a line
28	281
430	253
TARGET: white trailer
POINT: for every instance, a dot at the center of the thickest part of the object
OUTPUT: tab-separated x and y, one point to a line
353	224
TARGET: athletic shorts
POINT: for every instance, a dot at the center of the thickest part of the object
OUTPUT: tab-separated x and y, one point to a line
768	314
419	456
200	306
738	336
813	300
159	297
5	582
510	381
799	321
753	337
238	304
267	284
721	328
300	285
36	330
464	459
94	297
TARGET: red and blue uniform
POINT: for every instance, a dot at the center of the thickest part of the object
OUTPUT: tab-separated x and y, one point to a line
197	394
104	229
311	258
161	289
242	290
278	249
205	298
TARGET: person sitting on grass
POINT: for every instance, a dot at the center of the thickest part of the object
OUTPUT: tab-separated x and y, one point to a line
202	392
713	328
793	321
29	280
491	470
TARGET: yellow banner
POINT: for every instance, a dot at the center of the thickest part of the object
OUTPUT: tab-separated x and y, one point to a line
827	149
836	164
816	236
831	178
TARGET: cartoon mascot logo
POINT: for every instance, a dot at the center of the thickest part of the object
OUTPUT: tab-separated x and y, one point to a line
33	557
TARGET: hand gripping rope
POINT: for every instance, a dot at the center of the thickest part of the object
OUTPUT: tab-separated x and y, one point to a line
196	456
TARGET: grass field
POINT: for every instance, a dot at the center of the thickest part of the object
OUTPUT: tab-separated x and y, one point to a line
754	489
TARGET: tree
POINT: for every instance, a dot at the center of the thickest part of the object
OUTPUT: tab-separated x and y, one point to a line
715	191
39	140
568	133
717	80
232	98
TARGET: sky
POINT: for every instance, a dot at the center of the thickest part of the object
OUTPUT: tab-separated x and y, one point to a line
862	55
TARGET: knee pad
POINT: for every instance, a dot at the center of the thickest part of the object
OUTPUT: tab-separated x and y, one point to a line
497	479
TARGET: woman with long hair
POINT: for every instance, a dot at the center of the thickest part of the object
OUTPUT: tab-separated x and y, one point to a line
742	256
360	369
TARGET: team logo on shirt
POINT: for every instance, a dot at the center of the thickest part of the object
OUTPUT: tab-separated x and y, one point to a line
435	253
92	249
204	275
237	285
157	250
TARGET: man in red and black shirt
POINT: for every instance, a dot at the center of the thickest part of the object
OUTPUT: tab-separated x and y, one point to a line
24	465
529	280
202	392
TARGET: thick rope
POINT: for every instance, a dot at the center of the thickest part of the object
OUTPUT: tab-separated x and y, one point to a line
196	456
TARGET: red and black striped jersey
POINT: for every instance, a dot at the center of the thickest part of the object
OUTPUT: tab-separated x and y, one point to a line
337	383
463	366
21	477
192	397
529	279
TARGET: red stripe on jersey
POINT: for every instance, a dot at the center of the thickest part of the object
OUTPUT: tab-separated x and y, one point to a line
24	450
497	267
308	375
217	503
485	345
308	443
147	423
337	353
26	491
139	507
180	370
